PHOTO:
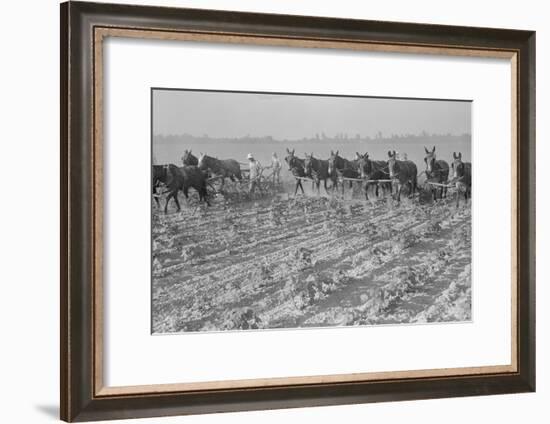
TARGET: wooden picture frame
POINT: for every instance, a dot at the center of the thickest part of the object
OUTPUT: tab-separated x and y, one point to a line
83	28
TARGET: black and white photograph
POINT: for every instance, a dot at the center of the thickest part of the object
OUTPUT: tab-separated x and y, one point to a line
274	211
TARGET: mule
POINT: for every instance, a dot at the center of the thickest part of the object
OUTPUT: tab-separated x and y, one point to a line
402	172
339	167
462	177
171	177
189	158
296	167
317	170
224	168
437	171
195	178
372	170
176	179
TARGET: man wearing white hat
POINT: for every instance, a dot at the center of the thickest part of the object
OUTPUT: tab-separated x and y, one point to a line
276	165
255	172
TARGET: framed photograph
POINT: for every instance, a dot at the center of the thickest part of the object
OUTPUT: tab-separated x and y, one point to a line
267	211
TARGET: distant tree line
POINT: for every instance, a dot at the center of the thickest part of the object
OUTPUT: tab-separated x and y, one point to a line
379	137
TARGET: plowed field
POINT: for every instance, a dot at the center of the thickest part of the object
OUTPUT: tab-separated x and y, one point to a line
310	261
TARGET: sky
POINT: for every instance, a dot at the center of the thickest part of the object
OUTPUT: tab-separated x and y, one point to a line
286	116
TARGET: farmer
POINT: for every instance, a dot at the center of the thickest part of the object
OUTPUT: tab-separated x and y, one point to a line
276	165
255	172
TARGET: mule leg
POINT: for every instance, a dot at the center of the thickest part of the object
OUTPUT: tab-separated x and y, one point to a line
199	192
298	185
203	194
366	191
167	200
155	196
206	199
177	201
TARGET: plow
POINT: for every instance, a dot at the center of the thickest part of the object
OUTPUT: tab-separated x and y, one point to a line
240	189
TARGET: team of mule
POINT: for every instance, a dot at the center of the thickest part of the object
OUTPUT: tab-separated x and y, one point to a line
392	175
